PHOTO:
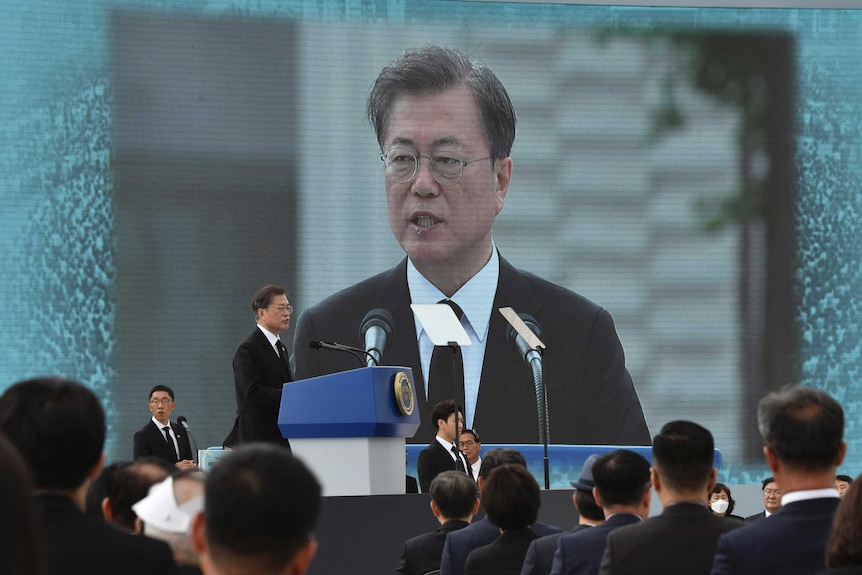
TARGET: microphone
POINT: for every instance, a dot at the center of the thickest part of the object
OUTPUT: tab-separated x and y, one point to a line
357	353
520	345
375	331
185	423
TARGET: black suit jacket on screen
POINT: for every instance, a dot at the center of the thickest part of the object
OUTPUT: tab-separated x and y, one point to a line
590	394
150	441
432	461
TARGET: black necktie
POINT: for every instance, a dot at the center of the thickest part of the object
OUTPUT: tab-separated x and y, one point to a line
445	363
170	441
459	465
282	353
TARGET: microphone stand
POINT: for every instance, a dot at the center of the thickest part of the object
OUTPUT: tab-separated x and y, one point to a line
459	393
542	407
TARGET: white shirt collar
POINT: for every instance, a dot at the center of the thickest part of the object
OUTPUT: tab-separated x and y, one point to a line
161	425
806	494
271	337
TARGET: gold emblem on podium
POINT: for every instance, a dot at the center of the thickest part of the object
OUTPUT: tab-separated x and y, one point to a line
404	396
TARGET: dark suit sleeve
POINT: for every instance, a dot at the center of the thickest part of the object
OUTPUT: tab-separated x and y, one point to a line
402	568
141	448
530	560
249	377
722	563
607	564
427	469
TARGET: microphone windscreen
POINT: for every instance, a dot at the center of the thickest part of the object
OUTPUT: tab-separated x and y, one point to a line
314	344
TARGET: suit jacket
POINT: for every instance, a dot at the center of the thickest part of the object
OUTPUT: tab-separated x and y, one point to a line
150	441
591	397
540	554
76	544
432	461
258	375
755	517
460	543
504	556
581	553
792	541
421	554
680	540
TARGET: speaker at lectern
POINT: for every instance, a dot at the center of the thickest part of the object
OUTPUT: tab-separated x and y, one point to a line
350	427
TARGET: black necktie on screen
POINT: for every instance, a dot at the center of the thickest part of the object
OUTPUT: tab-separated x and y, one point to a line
459	464
445	363
170	441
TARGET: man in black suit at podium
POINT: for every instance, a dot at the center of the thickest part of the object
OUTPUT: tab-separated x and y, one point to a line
445	126
260	369
161	437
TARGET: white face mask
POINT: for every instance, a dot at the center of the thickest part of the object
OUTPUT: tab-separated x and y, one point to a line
720	505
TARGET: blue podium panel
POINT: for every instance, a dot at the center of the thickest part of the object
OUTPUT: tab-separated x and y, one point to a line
362	402
564	461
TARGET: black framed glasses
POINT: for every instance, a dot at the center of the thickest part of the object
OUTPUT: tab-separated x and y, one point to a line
402	165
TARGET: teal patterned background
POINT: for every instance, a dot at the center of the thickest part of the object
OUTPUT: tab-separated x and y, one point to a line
58	289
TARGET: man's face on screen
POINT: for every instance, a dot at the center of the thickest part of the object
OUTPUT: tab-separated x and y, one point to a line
440	223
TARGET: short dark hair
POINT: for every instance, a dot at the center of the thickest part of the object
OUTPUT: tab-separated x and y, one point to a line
98	489
844	478
621	477
587	506
844	546
164	388
473	433
130	483
262	506
499	456
766	482
443	410
21	539
802	426
264	295
454	493
58	425
511	497
731	502
434	69
683	454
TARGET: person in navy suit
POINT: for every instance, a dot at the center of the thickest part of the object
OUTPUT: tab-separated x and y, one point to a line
442	454
623	491
445	126
771	500
260	369
540	554
460	543
682	539
454	502
172	444
803	436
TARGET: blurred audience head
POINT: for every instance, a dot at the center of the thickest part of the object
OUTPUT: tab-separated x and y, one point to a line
21	548
844	547
454	496
129	484
585	502
683	460
842	484
720	500
511	497
622	480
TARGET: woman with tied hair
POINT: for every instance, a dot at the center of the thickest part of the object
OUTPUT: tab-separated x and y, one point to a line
844	548
721	502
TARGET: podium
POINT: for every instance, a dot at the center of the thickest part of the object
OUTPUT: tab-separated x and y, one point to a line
349	428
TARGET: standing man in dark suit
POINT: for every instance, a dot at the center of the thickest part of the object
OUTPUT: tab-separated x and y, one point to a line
803	435
682	539
161	437
445	126
260	369
58	426
442	454
540	555
771	500
623	491
454	502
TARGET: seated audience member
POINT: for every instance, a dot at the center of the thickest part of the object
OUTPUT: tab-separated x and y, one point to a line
98	489
623	491
842	484
261	508
21	546
771	499
460	543
161	437
454	502
58	426
722	503
682	539
470	446
540	554
844	547
128	485
166	514
442	454
511	499
803	433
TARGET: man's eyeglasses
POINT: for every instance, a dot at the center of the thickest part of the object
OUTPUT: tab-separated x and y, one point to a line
283	308
402	165
771	492
470	443
161	401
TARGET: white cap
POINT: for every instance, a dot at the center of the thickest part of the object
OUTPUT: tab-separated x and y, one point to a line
159	508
